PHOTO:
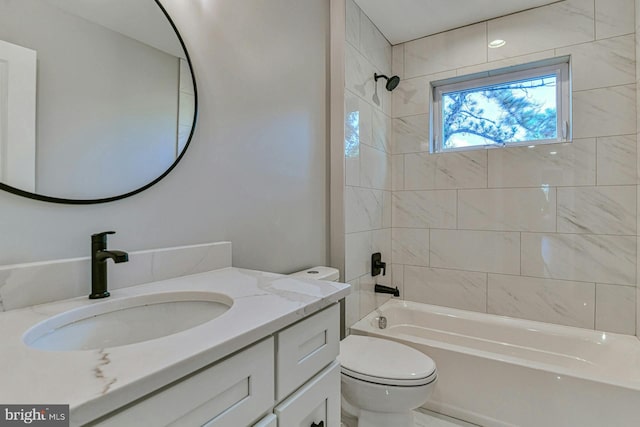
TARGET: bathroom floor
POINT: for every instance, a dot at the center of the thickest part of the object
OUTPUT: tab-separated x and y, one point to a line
424	418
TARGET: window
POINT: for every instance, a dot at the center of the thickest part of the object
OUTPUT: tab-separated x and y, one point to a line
524	105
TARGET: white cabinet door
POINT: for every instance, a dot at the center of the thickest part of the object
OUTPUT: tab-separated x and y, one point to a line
305	348
232	393
316	404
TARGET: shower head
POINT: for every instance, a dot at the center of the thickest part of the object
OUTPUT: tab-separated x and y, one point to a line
392	82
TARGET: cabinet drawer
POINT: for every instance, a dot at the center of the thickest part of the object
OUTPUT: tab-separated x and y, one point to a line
305	348
317	403
234	392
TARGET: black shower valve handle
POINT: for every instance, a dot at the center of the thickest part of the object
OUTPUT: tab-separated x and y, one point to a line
377	265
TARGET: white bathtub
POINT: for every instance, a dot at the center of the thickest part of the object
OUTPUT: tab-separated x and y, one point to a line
499	371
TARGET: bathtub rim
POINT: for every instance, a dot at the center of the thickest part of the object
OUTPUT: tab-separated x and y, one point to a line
364	327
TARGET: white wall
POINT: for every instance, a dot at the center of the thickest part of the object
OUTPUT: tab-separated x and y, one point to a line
548	233
255	173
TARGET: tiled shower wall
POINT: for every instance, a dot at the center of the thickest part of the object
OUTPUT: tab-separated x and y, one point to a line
546	233
367	161
637	29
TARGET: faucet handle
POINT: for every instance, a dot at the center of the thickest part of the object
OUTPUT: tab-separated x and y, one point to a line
101	238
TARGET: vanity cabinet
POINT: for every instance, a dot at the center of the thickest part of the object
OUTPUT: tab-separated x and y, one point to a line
290	379
234	392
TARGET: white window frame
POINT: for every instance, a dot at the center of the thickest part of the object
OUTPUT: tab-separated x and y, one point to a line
560	67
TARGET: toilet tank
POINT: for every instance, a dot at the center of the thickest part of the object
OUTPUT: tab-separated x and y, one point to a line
320	273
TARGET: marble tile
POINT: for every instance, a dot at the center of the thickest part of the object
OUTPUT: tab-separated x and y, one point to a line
465	290
487	67
397	172
353	23
359	75
604	112
363	209
638	314
617	160
375	168
369	300
397	60
597	210
24	285
482	251
357	255
358	118
160	264
412	96
616	309
425	171
583	257
387	99
352	304
446	51
387	207
381	131
572	164
520	209
603	63
352	168
424	209
553	301
410	134
614	18
410	246
357	126
398	277
374	46
560	24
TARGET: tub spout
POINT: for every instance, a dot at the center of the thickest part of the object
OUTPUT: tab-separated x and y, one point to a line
381	289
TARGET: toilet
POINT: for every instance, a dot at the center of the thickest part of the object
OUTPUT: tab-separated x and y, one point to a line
382	381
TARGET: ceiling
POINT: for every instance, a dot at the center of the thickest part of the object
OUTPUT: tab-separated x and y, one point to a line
404	20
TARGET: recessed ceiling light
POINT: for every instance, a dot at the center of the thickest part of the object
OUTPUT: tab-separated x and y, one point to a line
497	43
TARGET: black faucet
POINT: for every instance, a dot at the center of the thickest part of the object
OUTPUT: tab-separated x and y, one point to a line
381	289
99	257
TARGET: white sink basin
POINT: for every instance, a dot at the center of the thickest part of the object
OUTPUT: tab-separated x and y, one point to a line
119	322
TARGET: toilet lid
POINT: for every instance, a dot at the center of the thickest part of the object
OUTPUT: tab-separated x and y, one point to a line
385	362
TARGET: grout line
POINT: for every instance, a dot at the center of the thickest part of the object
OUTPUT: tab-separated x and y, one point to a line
504	231
520	254
515	188
429	257
486	302
595	13
459	270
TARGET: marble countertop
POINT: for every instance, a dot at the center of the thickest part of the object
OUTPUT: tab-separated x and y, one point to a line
95	382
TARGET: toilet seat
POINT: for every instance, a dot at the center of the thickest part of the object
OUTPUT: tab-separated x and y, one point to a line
385	362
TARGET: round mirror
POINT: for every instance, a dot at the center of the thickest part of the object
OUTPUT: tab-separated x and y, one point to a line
97	98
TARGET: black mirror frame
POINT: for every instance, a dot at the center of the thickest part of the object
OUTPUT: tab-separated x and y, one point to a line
35	196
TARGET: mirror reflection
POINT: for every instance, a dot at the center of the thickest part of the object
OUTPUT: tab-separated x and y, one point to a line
96	97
